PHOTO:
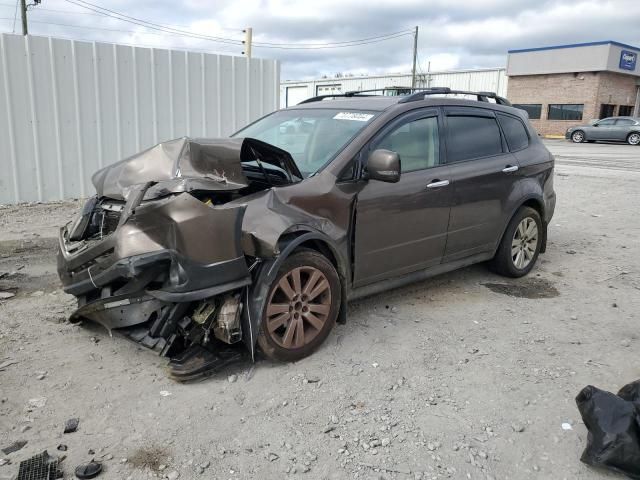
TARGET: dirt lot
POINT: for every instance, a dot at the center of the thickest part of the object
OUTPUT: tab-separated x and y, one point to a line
467	375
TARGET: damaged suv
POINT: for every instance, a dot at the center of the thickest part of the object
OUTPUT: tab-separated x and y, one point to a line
262	238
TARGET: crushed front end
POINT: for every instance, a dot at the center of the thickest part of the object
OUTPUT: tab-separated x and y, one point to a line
156	254
145	266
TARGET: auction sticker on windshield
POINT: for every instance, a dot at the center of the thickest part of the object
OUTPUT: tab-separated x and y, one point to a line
356	116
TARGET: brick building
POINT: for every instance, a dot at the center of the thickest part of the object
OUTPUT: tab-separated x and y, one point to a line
565	85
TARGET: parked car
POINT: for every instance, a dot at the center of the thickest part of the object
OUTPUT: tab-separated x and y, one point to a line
612	129
198	243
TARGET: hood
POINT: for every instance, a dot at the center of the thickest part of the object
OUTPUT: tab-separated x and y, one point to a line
186	164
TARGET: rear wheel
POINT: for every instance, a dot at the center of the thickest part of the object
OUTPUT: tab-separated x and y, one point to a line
520	245
577	136
633	138
301	308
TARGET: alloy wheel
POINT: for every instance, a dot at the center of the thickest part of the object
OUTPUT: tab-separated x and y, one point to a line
577	137
524	243
298	307
634	139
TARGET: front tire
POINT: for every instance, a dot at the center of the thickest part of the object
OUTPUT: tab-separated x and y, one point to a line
578	136
633	138
520	245
302	307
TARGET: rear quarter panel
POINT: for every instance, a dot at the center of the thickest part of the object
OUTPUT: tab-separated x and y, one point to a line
536	168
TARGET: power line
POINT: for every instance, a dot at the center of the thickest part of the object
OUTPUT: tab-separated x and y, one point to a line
168	30
151	25
156	26
88	27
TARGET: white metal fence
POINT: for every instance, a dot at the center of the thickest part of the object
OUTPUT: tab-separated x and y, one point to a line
69	107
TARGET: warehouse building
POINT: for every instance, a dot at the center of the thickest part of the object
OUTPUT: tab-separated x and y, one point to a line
564	85
491	79
558	86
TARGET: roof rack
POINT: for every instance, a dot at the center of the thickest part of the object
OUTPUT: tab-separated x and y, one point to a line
352	93
417	95
421	93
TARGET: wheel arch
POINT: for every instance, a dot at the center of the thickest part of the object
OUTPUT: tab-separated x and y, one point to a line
255	295
532	201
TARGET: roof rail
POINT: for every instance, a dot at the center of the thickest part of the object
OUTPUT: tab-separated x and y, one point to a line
420	94
417	95
354	93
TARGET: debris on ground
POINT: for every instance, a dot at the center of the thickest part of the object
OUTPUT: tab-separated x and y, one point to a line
613	422
37	402
39	467
14	447
6	295
62	447
88	470
71	425
7	363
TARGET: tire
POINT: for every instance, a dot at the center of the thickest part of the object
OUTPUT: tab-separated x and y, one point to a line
578	136
633	138
506	261
286	309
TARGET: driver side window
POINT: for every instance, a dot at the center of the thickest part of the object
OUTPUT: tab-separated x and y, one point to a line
416	142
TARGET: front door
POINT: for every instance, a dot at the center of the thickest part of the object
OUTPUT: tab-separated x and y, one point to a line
484	178
401	227
603	130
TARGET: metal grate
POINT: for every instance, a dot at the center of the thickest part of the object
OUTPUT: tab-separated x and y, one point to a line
39	467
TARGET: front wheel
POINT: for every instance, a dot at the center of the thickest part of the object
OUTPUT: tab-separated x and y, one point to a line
577	136
301	308
520	245
633	138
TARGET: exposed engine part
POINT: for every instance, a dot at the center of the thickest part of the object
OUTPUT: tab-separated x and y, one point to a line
227	325
204	313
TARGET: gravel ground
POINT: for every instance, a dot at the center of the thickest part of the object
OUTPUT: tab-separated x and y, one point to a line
466	375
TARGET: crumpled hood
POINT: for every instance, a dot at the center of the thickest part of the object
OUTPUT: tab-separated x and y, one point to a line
214	164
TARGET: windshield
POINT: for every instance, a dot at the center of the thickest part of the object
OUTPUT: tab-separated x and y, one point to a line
312	137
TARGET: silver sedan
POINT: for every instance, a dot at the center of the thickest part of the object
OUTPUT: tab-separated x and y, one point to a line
612	129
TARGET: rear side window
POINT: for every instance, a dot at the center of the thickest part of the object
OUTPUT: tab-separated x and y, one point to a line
514	131
472	137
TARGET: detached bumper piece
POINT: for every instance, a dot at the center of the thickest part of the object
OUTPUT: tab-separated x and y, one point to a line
198	362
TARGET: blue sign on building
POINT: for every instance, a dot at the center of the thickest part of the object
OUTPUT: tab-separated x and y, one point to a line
628	60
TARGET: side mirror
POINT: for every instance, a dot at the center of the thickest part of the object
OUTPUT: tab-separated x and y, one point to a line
384	165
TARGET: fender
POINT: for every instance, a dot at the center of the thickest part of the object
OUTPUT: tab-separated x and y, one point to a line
523	200
255	295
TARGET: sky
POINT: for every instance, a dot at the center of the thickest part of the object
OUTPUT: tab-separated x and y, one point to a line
453	34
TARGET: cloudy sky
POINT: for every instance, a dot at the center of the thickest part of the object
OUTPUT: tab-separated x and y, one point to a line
453	34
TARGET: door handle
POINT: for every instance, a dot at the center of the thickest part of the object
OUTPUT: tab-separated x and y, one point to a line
510	169
438	184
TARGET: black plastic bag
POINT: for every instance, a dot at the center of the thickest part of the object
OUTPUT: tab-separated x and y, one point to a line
613	422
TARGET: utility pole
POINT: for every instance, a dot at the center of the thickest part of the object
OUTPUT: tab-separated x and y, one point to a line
248	38
415	57
23	10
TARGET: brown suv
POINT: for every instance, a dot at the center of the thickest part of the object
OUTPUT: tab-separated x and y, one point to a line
263	237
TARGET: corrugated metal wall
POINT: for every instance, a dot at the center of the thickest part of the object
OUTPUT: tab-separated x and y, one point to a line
68	107
481	80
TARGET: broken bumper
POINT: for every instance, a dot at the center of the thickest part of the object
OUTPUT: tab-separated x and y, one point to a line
172	251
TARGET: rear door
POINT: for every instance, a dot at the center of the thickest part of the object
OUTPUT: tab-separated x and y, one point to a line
623	128
484	178
402	227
